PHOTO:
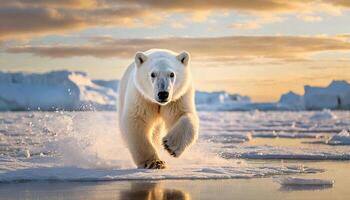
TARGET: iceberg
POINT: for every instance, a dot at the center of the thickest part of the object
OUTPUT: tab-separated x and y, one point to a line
57	90
292	101
335	96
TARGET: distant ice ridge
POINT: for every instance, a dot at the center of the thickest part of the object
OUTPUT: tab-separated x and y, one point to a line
66	90
220	100
334	96
57	90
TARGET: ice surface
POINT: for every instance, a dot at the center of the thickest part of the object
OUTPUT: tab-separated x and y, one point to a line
293	181
231	132
284	153
180	172
86	146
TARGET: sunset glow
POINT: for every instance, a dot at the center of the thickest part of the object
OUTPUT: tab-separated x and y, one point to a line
259	48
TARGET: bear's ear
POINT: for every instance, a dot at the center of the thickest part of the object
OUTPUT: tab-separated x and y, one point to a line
184	57
140	58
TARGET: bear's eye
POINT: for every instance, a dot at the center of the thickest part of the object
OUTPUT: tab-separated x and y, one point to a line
172	75
153	75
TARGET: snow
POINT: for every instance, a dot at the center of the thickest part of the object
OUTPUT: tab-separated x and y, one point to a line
58	90
326	114
87	146
293	181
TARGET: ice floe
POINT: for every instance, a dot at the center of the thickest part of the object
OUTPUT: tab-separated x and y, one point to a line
342	138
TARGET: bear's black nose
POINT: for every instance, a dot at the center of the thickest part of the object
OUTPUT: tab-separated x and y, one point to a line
163	95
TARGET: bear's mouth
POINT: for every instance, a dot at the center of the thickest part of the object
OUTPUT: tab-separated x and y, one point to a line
162	101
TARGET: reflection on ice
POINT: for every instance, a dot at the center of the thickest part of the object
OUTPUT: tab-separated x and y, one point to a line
148	190
290	188
292	184
293	181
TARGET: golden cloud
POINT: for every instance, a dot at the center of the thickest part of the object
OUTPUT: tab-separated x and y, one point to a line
50	3
18	22
28	18
287	48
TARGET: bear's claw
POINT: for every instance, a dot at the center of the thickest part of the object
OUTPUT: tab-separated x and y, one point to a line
166	147
155	164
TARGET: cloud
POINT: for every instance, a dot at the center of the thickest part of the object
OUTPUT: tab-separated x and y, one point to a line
51	3
246	25
345	36
258	23
344	3
18	22
252	6
310	18
23	21
184	5
218	49
30	18
177	25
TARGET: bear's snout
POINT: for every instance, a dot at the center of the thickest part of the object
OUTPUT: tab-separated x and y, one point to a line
163	96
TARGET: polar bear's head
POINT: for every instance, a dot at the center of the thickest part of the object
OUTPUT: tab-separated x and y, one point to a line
162	76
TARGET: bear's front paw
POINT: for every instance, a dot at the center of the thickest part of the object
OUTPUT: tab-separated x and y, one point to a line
174	148
154	164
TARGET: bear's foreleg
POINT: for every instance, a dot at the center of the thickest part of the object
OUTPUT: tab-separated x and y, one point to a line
183	133
140	145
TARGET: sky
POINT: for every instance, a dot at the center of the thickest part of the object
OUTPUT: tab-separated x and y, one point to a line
259	48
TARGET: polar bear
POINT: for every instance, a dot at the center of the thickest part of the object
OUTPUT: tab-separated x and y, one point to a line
156	96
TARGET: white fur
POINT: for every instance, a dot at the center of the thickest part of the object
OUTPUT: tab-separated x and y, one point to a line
143	119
